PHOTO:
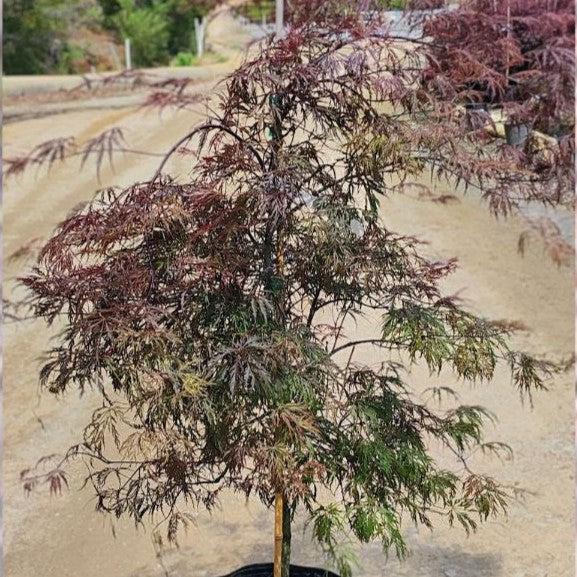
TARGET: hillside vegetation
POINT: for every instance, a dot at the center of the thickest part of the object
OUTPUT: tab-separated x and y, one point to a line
67	36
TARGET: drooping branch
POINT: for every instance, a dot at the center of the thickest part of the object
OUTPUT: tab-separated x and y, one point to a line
202	128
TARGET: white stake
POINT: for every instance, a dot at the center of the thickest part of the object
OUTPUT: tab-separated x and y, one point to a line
127	54
199	25
279	18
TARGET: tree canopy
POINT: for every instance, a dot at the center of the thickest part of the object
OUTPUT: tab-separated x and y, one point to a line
518	53
213	315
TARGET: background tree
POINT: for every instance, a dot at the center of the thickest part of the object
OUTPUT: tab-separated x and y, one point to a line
516	58
159	29
35	32
37	35
147	28
183	13
214	316
519	54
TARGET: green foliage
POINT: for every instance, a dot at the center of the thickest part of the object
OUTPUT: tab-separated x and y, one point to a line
181	15
27	37
439	335
35	33
109	8
256	10
147	29
178	17
184	59
328	526
191	59
69	58
392	4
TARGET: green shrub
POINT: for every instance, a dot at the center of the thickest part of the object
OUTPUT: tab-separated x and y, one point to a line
27	38
256	10
36	32
71	59
184	59
393	4
147	29
191	59
181	17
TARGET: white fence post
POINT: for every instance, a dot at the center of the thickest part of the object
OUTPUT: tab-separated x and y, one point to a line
127	54
279	18
199	29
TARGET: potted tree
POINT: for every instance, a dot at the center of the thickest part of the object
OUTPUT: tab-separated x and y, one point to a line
213	315
516	55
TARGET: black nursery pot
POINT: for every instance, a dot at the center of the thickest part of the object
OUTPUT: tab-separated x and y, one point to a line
266	570
517	134
476	106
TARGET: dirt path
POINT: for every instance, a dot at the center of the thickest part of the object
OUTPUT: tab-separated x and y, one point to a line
63	537
33	97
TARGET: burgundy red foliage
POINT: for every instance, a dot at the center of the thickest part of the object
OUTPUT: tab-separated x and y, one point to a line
516	53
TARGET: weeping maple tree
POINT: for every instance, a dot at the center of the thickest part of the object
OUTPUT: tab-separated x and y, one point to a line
517	59
519	54
214	316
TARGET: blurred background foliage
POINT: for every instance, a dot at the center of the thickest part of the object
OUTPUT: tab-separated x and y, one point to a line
263	11
77	36
67	36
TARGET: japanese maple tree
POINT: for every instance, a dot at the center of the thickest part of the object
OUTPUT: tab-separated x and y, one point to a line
213	315
519	54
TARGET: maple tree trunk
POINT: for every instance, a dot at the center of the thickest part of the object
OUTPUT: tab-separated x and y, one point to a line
286	539
274	236
282	536
278	526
